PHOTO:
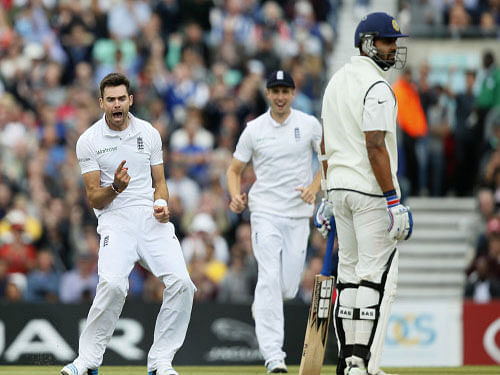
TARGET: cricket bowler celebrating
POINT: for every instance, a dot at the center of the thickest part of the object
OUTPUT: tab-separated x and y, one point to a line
280	144
121	163
359	120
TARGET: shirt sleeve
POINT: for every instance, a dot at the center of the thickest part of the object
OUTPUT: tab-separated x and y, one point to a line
244	147
86	157
317	134
379	107
156	148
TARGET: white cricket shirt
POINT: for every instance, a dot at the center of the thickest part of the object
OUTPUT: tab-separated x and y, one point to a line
357	99
282	160
101	149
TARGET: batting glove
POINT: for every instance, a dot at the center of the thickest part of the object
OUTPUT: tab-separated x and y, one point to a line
322	217
401	220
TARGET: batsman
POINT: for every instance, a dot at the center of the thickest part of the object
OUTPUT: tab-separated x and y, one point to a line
359	119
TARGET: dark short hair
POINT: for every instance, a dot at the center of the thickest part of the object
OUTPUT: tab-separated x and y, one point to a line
113	80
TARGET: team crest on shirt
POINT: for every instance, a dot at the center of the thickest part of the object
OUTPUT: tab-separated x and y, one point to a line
140	144
297	134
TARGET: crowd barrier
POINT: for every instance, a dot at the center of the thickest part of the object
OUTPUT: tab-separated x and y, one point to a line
218	334
423	333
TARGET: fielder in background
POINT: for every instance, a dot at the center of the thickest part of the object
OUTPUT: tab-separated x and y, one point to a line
121	162
359	119
281	144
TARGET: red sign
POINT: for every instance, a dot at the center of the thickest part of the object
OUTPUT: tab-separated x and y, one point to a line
481	333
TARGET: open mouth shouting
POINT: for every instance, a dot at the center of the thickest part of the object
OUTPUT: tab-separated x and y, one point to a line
117	116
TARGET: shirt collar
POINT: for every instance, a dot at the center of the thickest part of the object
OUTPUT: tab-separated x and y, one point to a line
275	123
130	131
365	60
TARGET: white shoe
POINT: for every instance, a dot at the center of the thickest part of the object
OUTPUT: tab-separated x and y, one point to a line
72	369
276	366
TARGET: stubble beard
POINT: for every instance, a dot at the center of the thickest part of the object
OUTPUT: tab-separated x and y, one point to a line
118	124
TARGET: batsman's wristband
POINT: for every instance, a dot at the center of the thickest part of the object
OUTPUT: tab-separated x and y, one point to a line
115	188
391	198
160	203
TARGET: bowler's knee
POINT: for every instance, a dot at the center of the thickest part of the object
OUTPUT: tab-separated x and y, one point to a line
116	288
179	284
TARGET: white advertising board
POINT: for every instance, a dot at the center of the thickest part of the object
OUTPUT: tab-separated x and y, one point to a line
424	333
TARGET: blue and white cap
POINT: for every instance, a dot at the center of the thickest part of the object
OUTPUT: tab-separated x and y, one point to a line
280	78
378	24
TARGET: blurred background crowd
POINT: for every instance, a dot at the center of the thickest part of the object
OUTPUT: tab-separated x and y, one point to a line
198	69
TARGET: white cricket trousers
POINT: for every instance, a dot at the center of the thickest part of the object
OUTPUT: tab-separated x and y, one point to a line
365	249
364	243
130	235
279	245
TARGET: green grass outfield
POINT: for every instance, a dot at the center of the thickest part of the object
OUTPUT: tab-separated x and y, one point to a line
247	370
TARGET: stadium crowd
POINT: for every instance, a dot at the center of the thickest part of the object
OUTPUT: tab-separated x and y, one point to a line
198	69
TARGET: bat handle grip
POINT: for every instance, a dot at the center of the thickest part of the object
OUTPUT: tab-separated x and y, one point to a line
327	260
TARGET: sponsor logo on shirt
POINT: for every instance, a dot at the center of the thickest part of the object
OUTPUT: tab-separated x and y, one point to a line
106	241
297	134
107	149
83	160
266	139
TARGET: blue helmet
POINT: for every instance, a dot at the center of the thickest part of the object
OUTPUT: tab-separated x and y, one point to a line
379	25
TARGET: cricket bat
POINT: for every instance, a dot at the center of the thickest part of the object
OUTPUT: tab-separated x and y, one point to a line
319	314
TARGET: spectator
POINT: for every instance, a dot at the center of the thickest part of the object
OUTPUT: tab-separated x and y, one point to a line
424	13
79	285
230	21
181	90
207	289
20	255
467	139
458	18
184	187
412	121
15	288
203	233
237	286
480	286
215	270
43	281
169	13
126	18
193	34
56	232
487	25
266	53
489	91
191	146
440	122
